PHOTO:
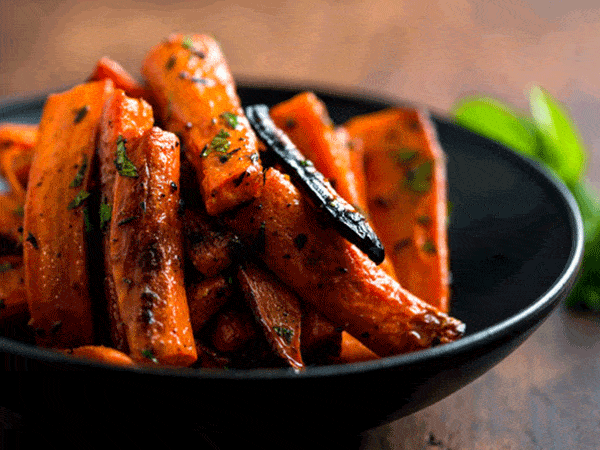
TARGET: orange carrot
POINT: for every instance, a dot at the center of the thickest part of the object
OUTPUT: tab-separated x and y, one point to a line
54	250
406	182
321	341
13	298
334	276
20	134
102	354
206	298
123	119
234	328
354	351
107	68
196	98
146	251
277	310
11	225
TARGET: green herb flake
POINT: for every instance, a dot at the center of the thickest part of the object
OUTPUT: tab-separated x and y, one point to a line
405	156
230	119
123	164
78	200
220	144
424	220
81	113
419	178
429	247
149	354
78	180
284	333
20	211
105	215
187	43
5	267
86	220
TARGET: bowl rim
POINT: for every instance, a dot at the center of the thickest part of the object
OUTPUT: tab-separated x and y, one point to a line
463	345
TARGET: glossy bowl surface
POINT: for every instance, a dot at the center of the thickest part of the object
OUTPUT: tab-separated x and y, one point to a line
516	243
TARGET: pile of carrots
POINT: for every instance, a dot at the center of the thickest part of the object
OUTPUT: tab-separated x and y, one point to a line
148	224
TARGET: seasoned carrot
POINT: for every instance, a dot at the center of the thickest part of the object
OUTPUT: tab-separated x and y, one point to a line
277	310
234	328
21	134
210	248
206	298
107	68
146	251
307	123
406	182
334	276
54	250
13	298
11	225
354	351
15	163
102	354
123	122
196	98
321	341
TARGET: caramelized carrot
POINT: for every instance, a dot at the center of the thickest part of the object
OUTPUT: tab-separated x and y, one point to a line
354	351
234	328
334	276
196	98
13	298
123	122
20	134
102	354
406	184
15	163
11	225
321	341
206	298
277	310
107	68
146	251
54	250
307	123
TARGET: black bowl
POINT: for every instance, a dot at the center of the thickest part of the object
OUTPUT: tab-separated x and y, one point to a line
516	242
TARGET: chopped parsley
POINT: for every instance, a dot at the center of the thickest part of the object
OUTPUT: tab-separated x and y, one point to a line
419	178
187	43
230	118
405	156
429	246
123	164
105	215
78	180
220	144
149	354
79	199
86	220
285	333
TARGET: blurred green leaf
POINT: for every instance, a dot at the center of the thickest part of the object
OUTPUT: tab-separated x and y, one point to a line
589	206
496	120
562	148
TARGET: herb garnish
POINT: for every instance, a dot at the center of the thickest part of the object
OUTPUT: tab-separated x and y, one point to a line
285	333
187	43
230	118
429	246
78	200
81	113
86	220
78	180
220	143
149	354
419	178
405	156
105	214
123	164
5	267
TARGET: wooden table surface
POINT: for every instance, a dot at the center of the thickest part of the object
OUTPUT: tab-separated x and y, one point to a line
546	395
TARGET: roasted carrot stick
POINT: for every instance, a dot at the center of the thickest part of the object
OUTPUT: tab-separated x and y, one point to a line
21	134
11	225
146	251
107	68
307	123
406	182
196	98
124	121
54	250
277	310
102	354
15	163
13	298
206	298
354	351
321	341
234	328
334	276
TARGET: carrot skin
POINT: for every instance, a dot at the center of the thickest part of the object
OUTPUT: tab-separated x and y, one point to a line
146	253
102	354
54	248
107	68
335	277
196	99
406	182
206	298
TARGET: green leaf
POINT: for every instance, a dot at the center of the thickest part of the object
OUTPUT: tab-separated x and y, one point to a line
496	120
123	164
562	148
589	206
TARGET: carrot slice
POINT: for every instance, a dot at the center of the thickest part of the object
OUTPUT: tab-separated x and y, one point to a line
21	134
13	298
196	98
102	354
277	310
354	351
335	277
146	251
321	341
206	298
54	250
406	182
107	68
11	225
124	120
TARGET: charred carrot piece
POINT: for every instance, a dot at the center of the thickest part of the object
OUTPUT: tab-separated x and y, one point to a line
321	341
234	328
146	251
406	182
210	248
196	98
277	310
206	298
102	354
124	121
107	68
56	276
305	119
13	298
335	277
